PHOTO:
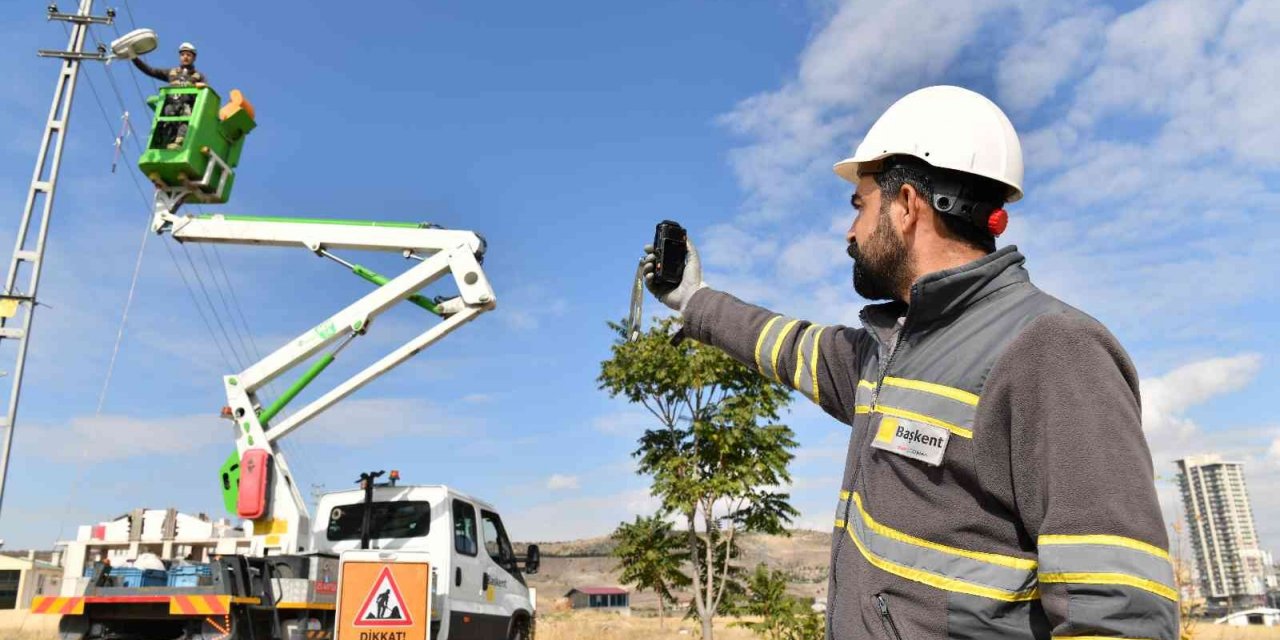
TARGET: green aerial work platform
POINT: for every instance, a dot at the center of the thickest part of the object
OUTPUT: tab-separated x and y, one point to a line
195	141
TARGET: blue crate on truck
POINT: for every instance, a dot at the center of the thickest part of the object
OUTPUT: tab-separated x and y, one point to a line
131	577
190	575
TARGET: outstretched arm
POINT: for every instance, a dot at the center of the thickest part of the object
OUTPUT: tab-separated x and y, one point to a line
820	362
158	74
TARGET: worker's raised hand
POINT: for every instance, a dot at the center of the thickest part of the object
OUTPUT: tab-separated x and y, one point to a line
677	297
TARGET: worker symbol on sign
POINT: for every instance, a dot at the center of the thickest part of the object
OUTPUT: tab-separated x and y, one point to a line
384	606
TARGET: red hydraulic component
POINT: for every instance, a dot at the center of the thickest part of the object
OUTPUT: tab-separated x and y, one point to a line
255	479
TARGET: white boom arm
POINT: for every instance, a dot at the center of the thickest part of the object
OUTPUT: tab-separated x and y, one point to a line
441	252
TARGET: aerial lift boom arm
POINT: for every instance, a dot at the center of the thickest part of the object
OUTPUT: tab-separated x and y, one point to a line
284	520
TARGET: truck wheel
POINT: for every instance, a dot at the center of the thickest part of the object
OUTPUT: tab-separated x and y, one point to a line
519	629
73	628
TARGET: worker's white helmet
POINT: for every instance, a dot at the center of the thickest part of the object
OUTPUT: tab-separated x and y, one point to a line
187	46
947	127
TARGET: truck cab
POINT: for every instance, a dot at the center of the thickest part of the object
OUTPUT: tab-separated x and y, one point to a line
478	585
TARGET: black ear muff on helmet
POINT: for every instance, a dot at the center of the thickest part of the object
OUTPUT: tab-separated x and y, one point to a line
988	216
977	200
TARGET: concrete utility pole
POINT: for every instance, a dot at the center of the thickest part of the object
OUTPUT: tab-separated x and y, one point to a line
18	305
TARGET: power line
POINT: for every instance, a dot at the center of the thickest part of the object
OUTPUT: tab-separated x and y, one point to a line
221	327
133	24
119	97
124	319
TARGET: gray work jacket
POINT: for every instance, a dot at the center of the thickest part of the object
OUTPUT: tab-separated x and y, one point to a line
997	483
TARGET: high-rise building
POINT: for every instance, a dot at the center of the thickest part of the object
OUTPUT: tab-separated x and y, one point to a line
1233	569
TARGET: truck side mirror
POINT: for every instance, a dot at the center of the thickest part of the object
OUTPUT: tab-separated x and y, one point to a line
533	558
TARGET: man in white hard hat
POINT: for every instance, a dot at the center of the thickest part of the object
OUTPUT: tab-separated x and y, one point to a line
183	75
997	482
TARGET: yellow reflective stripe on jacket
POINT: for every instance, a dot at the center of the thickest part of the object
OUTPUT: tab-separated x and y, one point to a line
1111	578
1117	541
1107	559
795	384
959	395
939	581
986	575
813	364
862	396
777	347
760	341
805	378
920	417
981	556
1099	638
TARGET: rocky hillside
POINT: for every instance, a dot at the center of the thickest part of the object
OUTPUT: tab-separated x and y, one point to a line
576	563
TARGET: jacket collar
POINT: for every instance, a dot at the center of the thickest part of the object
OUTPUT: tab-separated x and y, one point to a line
941	294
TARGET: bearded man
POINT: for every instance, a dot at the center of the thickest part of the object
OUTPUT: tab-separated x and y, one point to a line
997	482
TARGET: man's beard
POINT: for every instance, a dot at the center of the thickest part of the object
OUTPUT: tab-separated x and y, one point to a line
881	269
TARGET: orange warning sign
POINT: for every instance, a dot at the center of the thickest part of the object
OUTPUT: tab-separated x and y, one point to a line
384	601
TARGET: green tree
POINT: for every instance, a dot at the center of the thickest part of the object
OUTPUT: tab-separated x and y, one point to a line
651	555
782	617
716	455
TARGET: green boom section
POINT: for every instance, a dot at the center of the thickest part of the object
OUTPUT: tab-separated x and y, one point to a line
379	279
187	130
294	389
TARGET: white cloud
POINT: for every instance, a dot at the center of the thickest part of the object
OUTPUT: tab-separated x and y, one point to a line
558	482
368	421
1035	67
811	257
91	439
854	66
1166	399
353	423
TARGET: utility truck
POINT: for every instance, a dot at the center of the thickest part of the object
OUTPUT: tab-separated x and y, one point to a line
384	561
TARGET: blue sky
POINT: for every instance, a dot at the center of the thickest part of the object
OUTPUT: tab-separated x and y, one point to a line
563	133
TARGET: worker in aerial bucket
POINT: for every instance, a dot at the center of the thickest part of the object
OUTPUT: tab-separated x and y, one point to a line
997	482
183	75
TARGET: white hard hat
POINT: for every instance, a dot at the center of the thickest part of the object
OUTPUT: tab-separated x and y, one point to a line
187	46
947	127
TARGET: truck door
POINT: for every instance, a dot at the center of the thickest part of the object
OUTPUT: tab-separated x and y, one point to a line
504	581
467	604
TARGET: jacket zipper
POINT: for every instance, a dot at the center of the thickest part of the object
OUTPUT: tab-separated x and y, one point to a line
832	601
888	360
885	619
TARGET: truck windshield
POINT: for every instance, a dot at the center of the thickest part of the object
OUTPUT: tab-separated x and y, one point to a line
400	519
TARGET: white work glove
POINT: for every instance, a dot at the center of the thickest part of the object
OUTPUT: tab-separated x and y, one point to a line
677	297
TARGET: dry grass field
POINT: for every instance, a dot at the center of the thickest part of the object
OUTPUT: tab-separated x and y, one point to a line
588	626
577	625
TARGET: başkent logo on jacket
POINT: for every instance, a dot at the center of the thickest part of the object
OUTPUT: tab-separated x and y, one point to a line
912	439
